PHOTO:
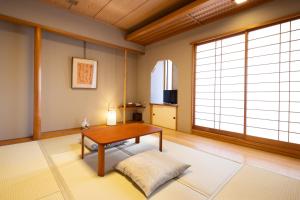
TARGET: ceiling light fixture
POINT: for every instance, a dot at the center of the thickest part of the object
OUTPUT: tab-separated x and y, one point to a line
239	1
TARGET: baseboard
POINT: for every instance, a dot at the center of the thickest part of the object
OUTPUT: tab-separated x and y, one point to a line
15	141
248	143
53	134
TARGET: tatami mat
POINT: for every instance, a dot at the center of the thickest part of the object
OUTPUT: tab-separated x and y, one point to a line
62	144
55	196
53	170
259	184
87	185
207	172
24	173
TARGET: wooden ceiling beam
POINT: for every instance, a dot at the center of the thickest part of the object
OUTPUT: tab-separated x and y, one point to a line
163	33
165	36
166	19
193	17
179	23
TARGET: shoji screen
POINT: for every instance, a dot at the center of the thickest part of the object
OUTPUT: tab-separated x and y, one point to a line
273	97
294	58
219	84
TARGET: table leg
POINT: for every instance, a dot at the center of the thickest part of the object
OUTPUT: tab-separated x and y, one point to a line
101	160
137	140
82	146
160	141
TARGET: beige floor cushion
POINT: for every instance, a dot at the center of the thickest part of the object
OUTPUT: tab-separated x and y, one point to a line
151	169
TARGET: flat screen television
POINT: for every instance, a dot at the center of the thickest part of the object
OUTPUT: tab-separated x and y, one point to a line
170	96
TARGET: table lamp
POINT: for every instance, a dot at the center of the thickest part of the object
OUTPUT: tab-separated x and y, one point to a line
111	117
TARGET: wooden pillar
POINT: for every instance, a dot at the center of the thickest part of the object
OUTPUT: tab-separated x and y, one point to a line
37	84
125	86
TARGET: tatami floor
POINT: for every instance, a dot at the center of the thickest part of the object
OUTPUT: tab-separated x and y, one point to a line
52	169
277	163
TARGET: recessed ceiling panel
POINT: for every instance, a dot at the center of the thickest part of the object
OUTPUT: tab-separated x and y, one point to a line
89	7
148	11
118	9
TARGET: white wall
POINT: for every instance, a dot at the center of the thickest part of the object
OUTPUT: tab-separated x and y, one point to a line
179	50
16	81
62	107
157	83
43	13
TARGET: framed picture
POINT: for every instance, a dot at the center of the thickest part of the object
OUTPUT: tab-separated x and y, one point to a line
84	73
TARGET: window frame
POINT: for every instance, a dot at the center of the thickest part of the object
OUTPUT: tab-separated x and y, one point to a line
253	141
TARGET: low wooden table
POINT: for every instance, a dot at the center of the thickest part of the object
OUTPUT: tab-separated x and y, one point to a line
110	134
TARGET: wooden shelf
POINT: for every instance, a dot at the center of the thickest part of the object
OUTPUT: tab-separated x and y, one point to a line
132	106
164	104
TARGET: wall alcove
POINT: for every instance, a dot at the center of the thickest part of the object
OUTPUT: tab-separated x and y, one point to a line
163	97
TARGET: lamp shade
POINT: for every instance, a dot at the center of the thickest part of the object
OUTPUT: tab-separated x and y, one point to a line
111	118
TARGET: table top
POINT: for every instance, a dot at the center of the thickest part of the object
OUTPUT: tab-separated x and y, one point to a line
110	134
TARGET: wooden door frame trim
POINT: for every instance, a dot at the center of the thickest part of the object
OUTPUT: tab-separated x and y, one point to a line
125	87
37	84
193	81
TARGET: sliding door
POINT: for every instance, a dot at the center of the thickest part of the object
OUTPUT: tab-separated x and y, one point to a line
219	84
250	83
273	104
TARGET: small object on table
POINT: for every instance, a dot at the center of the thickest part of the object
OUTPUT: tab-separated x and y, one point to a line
85	124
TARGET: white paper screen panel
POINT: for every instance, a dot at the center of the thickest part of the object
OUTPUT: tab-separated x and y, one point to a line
219	89
273	83
273	106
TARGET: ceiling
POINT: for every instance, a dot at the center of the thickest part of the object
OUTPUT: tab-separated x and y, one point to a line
128	15
148	21
195	14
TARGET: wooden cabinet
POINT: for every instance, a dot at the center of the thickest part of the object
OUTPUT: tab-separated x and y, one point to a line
164	115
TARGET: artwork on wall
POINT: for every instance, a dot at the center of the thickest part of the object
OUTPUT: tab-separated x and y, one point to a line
84	73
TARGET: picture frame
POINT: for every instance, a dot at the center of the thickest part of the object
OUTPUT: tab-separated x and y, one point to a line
84	73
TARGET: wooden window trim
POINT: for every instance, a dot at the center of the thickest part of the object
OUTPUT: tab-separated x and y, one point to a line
275	146
278	147
246	29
